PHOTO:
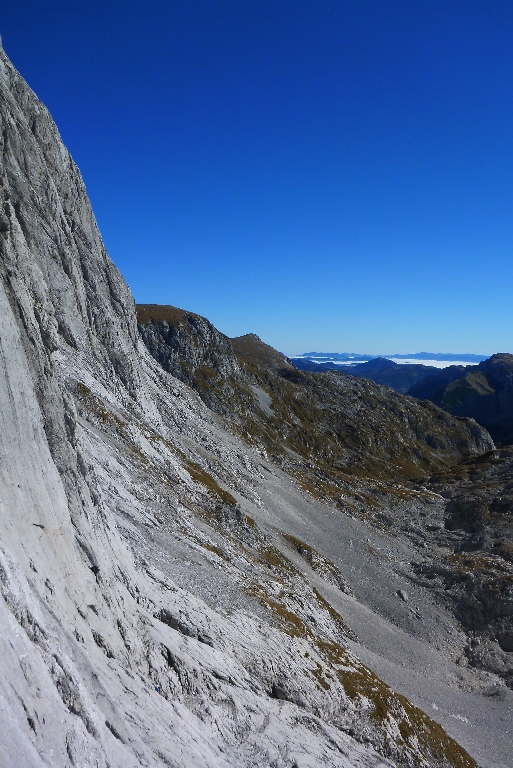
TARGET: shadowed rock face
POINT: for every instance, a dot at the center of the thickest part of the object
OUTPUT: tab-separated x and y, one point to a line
158	606
185	343
483	392
191	349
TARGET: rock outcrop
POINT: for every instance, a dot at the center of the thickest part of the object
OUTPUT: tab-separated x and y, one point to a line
190	348
156	607
186	344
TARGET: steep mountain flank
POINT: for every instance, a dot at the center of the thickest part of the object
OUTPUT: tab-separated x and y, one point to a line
169	597
484	392
325	428
190	348
354	424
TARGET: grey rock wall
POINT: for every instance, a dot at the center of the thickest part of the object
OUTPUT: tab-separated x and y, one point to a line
184	343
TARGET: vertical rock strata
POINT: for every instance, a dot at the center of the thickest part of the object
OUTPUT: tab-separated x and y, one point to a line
147	619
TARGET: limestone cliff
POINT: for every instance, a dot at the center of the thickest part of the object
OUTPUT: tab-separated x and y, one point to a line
189	347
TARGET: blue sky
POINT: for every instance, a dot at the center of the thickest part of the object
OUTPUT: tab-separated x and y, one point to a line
328	175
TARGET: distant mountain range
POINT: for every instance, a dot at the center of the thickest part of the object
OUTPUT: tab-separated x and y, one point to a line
452	357
378	369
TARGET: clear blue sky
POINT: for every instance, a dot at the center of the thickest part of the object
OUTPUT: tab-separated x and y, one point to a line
329	175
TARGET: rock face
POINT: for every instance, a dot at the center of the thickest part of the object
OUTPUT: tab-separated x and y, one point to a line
186	344
483	392
191	349
159	606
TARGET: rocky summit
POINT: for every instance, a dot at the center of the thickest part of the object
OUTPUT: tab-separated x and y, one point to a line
209	558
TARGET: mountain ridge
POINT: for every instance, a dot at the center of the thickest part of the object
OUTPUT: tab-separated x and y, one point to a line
299	401
448	356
